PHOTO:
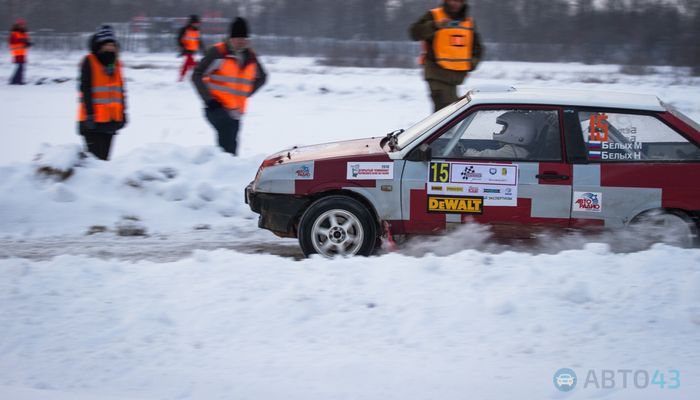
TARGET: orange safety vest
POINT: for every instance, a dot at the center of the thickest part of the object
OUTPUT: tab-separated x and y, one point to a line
107	93
230	84
190	40
18	49
453	45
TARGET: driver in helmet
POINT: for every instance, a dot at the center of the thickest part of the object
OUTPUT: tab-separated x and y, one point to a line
518	132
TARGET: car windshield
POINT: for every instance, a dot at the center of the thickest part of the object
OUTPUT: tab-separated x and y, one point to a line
412	133
673	110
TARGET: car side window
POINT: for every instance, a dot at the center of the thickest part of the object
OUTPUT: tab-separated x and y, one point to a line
618	137
506	134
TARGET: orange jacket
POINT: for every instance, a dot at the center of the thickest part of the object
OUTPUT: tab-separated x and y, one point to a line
107	94
453	45
191	39
18	43
230	84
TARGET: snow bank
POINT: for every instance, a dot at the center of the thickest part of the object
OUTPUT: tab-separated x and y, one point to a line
161	187
222	325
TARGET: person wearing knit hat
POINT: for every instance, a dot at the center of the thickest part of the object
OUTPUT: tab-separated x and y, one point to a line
189	40
239	28
19	42
227	76
102	108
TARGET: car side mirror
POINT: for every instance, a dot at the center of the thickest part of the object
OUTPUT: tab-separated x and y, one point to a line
421	153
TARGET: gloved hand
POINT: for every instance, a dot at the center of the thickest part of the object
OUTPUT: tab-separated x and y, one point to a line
213	104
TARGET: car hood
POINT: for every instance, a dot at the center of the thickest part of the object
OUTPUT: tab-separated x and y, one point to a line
349	148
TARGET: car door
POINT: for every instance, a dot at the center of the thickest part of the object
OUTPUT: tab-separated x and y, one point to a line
630	162
501	165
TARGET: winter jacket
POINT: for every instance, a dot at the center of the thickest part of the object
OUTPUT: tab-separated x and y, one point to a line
86	92
424	30
215	58
181	36
19	42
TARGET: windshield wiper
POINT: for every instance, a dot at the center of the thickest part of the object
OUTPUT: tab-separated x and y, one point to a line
393	137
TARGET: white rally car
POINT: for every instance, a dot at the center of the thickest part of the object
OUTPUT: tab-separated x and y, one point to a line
518	159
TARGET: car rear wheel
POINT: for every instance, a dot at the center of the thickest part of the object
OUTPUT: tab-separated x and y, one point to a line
337	226
668	226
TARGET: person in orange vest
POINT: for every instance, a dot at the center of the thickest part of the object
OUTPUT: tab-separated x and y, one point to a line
102	108
452	48
19	43
227	76
189	39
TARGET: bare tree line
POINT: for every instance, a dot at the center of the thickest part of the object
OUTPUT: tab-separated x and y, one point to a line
644	32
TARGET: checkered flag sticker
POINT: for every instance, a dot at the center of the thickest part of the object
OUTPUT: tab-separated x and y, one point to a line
467	171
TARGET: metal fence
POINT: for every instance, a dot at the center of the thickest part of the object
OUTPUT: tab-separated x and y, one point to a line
384	53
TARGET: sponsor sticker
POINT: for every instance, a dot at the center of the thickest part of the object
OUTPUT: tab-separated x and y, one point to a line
587	202
304	172
455	205
484	174
370	170
497	184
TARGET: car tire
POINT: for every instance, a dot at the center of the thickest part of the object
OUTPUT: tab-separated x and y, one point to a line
671	227
337	226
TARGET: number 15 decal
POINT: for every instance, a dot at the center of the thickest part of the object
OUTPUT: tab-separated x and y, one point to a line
439	172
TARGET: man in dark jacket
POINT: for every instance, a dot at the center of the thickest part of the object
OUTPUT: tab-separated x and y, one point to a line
102	109
453	49
225	78
19	43
189	40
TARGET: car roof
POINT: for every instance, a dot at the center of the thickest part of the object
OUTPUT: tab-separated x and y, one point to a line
564	97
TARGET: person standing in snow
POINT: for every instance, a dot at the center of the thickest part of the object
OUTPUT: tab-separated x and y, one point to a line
452	48
19	42
102	109
189	39
227	76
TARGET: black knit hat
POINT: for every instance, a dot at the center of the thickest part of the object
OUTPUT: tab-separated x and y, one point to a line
105	35
239	28
194	18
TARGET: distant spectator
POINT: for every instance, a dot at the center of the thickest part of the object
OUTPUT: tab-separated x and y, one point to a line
189	39
227	76
452	49
19	43
102	94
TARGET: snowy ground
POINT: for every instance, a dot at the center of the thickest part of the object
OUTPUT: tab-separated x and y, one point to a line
168	316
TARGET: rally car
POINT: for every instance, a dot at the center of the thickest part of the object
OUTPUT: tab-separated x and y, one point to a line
518	159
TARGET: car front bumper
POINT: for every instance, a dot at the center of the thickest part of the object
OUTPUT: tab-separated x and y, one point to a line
279	213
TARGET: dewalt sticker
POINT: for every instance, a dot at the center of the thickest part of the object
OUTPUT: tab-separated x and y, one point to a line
455	205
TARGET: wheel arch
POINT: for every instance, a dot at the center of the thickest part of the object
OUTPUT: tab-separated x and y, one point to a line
691	217
339	192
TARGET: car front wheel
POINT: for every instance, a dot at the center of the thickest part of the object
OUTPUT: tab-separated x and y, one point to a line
337	226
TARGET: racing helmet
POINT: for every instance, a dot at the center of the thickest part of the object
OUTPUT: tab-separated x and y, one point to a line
518	128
